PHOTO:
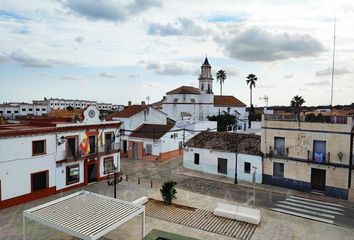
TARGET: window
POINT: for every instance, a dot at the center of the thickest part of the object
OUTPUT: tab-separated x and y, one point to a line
38	147
9	111
92	140
247	167
278	169
30	109
1	111
43	109
148	149
279	146
180	145
23	109
319	151
71	146
72	174
16	111
222	165
202	87
196	158
39	181
37	109
108	141
108	165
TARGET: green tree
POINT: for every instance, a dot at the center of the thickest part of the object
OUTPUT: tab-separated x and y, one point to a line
251	81
296	104
168	191
220	77
223	121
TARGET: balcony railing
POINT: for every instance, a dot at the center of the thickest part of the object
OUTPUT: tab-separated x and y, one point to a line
278	152
313	157
107	148
310	118
318	157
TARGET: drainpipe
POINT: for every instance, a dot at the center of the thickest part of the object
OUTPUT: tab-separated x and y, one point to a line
235	182
351	158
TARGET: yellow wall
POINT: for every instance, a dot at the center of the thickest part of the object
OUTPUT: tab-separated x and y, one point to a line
299	141
335	176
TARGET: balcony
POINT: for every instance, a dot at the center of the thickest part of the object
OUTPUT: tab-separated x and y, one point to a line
278	152
318	157
108	148
310	118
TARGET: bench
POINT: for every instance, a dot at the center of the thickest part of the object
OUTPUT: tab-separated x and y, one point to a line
140	201
240	213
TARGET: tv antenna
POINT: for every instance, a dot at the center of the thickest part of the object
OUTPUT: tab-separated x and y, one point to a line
334	54
265	99
148	100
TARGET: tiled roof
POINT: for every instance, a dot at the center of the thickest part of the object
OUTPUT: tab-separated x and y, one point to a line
227	101
184	90
226	141
128	111
157	105
151	131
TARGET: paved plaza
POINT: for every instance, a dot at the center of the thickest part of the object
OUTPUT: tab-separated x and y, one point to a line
192	191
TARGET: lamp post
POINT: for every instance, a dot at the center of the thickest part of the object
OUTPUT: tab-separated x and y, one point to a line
254	184
114	180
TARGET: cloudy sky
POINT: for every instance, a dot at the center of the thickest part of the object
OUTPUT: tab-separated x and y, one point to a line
120	50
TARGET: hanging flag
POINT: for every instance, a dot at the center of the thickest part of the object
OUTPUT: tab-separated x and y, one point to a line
100	138
85	144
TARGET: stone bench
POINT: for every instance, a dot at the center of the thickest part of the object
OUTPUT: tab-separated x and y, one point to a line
140	201
240	213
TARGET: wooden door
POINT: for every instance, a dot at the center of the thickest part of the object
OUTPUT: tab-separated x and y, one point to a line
318	179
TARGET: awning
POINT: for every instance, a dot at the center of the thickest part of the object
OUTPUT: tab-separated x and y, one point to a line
84	214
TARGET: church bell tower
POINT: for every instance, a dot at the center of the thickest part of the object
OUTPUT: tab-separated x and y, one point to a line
205	78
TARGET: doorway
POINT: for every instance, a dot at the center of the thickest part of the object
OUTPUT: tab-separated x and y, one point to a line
92	173
135	151
318	179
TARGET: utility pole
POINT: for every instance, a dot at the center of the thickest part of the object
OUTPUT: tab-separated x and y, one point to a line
334	54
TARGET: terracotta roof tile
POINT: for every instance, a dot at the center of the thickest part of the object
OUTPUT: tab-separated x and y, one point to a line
227	101
226	141
128	111
184	90
151	131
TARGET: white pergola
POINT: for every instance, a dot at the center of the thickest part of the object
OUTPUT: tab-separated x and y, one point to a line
84	214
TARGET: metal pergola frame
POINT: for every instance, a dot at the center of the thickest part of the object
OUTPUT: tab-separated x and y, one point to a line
84	214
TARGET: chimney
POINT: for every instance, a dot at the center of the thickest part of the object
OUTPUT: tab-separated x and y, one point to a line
142	103
129	103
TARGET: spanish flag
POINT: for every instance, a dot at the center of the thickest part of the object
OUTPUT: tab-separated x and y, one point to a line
85	144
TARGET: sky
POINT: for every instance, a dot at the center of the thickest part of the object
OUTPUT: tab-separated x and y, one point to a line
120	50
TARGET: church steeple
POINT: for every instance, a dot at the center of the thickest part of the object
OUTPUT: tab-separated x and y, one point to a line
205	78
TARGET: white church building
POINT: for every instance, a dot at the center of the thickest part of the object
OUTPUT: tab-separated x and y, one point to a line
187	102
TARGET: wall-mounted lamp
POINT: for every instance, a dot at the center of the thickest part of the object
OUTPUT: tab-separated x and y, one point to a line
61	140
340	156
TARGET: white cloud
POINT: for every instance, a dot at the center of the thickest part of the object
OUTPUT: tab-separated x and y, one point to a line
181	27
171	68
79	39
255	44
106	75
328	72
108	10
74	78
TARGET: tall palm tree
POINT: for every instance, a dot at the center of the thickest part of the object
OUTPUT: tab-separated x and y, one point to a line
251	80
296	104
221	76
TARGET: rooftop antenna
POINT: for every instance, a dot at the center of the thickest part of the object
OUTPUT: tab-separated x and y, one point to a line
334	51
148	100
265	99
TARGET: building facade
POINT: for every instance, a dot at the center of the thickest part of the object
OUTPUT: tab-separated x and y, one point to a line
308	156
40	158
14	110
236	156
197	104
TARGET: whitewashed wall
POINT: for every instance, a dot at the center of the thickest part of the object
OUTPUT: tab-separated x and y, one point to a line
17	164
61	174
208	163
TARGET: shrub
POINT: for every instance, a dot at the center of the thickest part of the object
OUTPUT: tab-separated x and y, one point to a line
168	191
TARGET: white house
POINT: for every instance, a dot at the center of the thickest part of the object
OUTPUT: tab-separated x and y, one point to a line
134	116
219	152
188	102
156	142
42	157
16	109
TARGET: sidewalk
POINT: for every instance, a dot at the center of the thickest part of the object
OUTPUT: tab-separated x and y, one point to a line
262	187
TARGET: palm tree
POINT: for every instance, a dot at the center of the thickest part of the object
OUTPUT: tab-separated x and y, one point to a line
296	104
251	80
221	76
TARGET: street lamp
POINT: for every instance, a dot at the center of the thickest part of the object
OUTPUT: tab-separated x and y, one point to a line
114	178
254	184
